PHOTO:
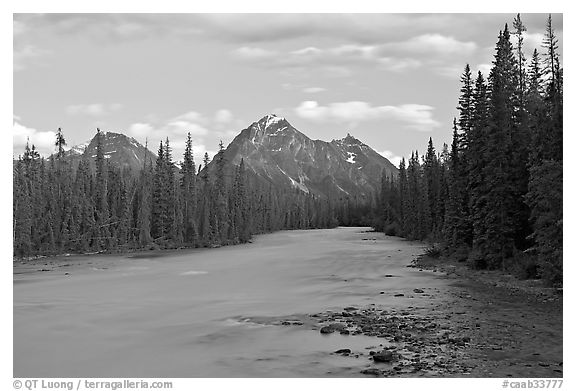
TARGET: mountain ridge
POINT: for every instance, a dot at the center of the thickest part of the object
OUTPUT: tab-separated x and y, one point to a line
281	154
277	153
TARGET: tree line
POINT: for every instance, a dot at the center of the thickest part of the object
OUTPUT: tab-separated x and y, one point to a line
97	206
494	196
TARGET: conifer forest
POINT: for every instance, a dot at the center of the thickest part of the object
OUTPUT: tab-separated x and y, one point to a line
494	196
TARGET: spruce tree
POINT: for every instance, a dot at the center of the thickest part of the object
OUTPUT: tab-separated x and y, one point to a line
144	210
189	194
101	196
159	198
545	188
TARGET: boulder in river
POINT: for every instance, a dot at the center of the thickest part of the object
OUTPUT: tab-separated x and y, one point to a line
337	326
418	291
371	371
326	330
383	356
343	351
333	327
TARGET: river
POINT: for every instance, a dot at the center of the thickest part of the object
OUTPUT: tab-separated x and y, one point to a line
187	313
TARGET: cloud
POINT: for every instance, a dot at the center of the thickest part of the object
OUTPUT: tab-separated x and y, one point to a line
93	109
435	44
199	151
140	130
399	64
394	159
182	128
26	55
42	140
18	27
355	28
246	28
414	116
222	125
436	51
104	28
252	53
484	68
332	61
531	41
313	90
223	117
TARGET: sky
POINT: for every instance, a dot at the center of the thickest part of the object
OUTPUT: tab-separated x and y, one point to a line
390	80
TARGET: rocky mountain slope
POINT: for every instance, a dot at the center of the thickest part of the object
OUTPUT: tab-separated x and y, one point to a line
285	157
119	149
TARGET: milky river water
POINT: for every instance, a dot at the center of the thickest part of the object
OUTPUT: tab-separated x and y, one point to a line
183	313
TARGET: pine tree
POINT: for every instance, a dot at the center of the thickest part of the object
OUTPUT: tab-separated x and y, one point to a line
519	30
545	187
535	84
502	204
159	198
101	196
403	193
60	143
144	210
465	106
189	194
170	207
22	211
477	160
240	201
431	174
221	216
456	223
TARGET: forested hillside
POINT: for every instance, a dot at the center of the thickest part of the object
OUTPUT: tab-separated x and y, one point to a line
494	197
59	209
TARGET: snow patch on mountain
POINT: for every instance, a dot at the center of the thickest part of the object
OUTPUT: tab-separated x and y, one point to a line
298	185
80	148
351	157
278	131
272	119
341	189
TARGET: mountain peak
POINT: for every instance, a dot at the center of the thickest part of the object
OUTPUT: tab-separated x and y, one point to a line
118	149
278	153
269	120
349	140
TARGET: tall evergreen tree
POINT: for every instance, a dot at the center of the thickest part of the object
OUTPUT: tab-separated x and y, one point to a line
545	186
189	194
60	143
101	196
144	210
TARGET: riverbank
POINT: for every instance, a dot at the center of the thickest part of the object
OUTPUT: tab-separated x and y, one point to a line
484	324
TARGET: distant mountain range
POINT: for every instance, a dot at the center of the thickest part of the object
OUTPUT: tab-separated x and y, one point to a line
276	153
280	154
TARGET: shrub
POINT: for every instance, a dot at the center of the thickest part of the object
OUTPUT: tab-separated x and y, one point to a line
460	254
477	260
433	251
392	229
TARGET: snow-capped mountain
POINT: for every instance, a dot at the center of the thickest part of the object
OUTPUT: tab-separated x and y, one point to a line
119	149
276	153
279	153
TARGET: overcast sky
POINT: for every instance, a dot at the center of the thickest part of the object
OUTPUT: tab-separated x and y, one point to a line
391	80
